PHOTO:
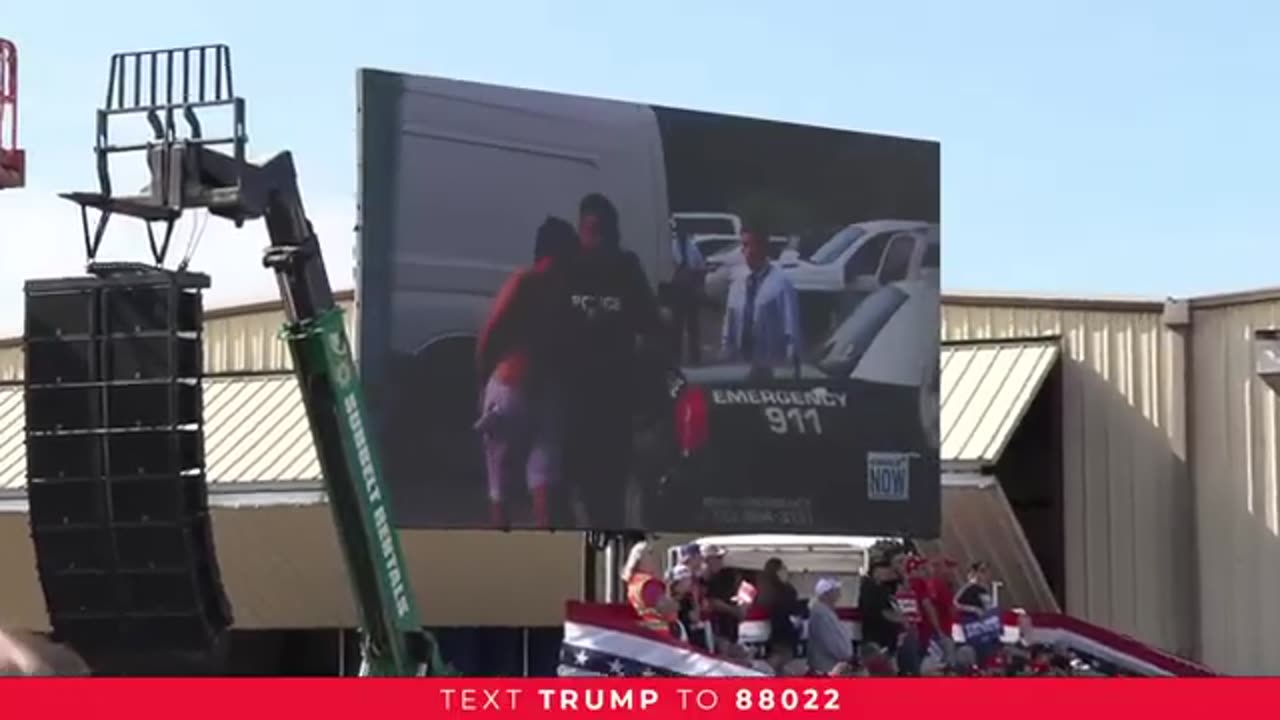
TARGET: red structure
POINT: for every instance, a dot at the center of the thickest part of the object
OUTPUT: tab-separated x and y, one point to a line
13	164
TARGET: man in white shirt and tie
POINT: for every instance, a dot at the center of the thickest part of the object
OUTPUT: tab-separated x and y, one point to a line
762	312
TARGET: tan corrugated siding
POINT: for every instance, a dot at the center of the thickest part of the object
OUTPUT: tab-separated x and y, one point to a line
282	568
249	342
11	367
1127	510
255	431
13	450
1235	469
237	340
986	389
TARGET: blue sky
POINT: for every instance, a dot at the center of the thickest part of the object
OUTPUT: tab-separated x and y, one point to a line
1123	148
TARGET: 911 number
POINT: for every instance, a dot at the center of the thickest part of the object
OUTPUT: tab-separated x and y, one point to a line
793	421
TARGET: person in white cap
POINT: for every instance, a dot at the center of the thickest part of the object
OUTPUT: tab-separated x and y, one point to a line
830	644
680	580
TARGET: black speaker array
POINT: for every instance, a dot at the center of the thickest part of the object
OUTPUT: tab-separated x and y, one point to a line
115	461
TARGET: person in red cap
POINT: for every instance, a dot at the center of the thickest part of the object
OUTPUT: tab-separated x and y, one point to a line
928	627
942	591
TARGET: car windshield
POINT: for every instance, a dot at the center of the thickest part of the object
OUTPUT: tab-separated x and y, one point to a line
839	355
832	249
705	226
931	259
777	247
810	241
895	265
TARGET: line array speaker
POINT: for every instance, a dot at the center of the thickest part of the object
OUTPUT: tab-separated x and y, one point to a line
115	460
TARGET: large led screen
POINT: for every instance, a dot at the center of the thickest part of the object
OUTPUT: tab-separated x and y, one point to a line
578	313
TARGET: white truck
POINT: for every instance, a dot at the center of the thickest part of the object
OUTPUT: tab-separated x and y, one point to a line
855	262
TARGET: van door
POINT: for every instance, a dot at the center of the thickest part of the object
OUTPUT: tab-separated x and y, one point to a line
481	167
475	170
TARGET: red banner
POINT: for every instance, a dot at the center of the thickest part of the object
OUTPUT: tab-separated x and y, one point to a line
137	699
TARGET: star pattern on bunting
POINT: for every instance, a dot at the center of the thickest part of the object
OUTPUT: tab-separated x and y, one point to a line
599	663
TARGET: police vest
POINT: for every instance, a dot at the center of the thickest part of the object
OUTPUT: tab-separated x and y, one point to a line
650	617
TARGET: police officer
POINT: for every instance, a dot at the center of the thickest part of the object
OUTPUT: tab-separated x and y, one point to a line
611	311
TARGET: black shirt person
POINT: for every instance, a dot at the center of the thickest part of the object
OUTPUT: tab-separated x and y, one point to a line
881	622
611	309
780	600
973	602
721	591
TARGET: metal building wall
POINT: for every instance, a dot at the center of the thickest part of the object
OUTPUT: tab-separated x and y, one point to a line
238	340
282	568
1130	536
246	339
1234	444
10	360
1127	505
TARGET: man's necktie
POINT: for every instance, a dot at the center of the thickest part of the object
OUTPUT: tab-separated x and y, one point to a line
749	316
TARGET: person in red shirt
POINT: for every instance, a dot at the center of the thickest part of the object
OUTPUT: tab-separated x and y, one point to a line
910	650
516	357
942	589
919	575
996	664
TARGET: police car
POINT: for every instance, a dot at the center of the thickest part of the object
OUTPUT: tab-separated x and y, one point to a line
850	432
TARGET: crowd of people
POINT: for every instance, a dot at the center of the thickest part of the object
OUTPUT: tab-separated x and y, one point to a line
908	606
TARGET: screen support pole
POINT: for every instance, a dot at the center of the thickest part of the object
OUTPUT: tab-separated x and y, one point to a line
590	582
614	545
612	570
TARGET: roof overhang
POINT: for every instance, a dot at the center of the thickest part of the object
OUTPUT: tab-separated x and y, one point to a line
986	389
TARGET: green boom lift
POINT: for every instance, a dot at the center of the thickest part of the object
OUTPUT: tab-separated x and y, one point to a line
172	89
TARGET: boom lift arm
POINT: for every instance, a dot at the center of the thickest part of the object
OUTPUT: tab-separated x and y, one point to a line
12	159
188	173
